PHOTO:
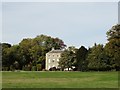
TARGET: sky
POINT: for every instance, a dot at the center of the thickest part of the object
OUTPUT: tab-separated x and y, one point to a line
76	23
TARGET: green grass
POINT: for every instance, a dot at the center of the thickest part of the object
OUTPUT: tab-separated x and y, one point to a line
59	79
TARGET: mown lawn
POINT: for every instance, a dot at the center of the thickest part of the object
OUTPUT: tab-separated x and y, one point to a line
59	79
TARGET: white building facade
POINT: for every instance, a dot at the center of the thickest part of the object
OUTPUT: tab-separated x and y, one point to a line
52	59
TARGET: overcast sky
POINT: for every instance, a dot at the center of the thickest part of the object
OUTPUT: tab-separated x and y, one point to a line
76	23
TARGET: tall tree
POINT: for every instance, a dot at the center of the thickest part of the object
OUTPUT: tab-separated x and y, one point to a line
49	42
68	59
97	59
25	46
5	56
112	48
33	50
81	59
10	55
46	43
29	53
114	32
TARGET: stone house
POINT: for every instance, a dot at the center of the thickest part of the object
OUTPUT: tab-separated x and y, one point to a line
52	58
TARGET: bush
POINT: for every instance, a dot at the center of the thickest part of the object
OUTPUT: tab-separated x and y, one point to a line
5	68
34	68
39	67
12	68
26	68
58	69
53	69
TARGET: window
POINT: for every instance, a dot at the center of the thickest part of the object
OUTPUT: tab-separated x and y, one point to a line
49	60
58	60
53	60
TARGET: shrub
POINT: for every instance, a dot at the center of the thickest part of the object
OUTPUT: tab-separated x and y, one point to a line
12	68
39	67
53	69
5	68
34	68
26	68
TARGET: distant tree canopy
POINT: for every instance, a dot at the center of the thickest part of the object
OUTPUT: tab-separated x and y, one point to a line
112	48
81	59
114	32
30	53
97	60
98	57
68	59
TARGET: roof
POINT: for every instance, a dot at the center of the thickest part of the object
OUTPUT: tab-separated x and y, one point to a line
55	51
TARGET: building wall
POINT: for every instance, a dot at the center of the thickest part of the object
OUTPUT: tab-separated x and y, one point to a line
52	60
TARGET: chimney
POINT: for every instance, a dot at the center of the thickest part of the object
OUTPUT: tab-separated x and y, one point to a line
53	49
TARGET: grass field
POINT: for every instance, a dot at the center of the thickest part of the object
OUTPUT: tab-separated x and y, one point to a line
59	79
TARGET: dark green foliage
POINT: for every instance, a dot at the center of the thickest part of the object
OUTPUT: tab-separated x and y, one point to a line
12	68
27	68
68	59
97	59
112	48
39	67
29	52
34	68
106	58
114	32
81	59
10	55
5	55
6	45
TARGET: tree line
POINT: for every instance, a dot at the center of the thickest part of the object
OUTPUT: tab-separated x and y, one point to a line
29	54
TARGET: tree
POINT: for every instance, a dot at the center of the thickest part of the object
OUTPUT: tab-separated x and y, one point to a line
39	67
10	54
112	48
33	51
25	46
42	45
5	56
49	42
114	32
16	65
67	60
81	59
97	59
72	48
